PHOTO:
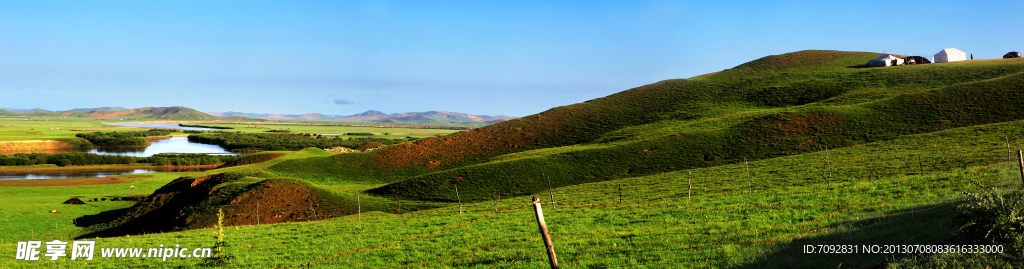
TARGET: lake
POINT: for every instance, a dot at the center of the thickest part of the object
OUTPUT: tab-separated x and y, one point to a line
167	145
178	144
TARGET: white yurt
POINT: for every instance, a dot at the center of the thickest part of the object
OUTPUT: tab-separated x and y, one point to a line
885	60
950	55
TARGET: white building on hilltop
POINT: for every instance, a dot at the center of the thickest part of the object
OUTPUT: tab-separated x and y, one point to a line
885	60
950	55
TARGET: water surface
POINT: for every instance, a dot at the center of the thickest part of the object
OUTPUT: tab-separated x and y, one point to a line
85	174
168	145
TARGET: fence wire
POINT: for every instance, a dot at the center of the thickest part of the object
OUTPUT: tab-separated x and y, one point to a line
851	206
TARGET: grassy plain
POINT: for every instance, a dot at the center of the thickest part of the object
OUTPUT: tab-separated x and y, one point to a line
46	128
867	201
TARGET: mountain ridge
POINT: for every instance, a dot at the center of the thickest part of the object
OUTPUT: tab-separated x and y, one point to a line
157	113
429	117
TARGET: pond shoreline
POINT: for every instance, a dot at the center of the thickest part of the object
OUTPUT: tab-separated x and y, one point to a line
65	169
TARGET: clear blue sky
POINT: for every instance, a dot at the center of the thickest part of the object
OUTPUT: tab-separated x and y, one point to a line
512	58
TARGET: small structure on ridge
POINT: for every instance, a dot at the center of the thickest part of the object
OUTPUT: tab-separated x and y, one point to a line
950	55
916	60
885	60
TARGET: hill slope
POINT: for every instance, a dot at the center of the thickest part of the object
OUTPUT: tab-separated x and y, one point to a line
772	107
775	106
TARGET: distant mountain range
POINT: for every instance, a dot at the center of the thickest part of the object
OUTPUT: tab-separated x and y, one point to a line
184	113
429	117
106	108
147	113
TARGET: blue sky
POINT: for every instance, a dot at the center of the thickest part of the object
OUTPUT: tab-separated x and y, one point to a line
512	58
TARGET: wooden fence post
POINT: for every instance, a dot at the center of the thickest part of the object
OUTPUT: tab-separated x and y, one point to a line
1020	158
496	198
824	163
961	156
550	193
359	204
749	189
1008	154
828	159
315	216
458	197
620	194
689	181
872	169
921	165
399	207
544	233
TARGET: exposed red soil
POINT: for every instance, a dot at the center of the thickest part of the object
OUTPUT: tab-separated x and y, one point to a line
276	201
34	145
794	128
74	201
62	182
192	203
115	114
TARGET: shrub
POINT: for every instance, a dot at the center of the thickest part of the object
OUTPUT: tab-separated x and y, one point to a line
991	218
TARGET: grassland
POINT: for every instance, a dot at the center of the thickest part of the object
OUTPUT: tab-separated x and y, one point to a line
587	236
904	143
17	128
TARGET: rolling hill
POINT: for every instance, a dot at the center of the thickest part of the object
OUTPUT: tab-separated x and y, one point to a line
772	107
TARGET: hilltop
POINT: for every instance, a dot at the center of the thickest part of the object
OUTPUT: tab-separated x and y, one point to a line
429	117
149	113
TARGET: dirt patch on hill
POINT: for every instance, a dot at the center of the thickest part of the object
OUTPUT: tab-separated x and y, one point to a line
62	182
115	114
34	145
192	203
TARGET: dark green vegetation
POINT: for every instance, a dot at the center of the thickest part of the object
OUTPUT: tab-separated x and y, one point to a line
123	139
204	126
989	216
271	141
81	158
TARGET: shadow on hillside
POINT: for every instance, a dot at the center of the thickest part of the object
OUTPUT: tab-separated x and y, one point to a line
102	217
929	226
858	66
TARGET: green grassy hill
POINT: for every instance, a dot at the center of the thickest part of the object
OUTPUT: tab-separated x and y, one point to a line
771	107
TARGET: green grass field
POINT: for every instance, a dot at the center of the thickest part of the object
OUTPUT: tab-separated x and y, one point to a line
870	180
904	144
17	128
